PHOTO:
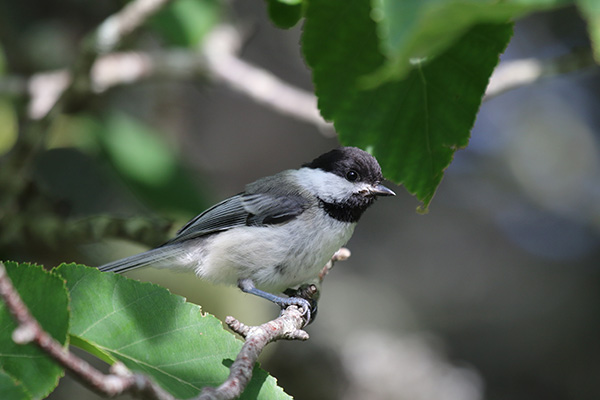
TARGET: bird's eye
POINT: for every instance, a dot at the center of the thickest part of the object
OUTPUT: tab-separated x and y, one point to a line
352	175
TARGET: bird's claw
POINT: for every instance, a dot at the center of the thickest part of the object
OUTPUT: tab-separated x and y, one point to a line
304	306
303	299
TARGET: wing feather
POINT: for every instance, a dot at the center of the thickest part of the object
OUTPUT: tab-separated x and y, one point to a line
256	209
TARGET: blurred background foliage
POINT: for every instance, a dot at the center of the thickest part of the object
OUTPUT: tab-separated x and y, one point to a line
493	294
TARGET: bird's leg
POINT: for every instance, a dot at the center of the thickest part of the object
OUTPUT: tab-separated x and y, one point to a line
247	286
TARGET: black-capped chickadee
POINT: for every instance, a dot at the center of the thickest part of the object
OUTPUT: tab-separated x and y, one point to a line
279	233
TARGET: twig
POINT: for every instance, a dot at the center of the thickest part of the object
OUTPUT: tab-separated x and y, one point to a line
130	18
341	255
287	326
29	331
513	74
221	48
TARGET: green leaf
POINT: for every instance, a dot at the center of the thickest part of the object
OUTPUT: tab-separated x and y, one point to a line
91	348
12	389
46	297
186	22
145	161
8	115
590	9
156	333
414	125
138	150
8	121
416	29
285	13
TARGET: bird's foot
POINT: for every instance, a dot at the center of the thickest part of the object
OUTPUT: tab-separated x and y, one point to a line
303	297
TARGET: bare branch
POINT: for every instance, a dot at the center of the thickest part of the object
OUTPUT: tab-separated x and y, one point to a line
130	18
45	89
221	48
287	326
514	74
341	255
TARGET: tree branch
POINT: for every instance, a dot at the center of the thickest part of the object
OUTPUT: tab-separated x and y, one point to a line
514	74
341	255
122	24
220	51
287	326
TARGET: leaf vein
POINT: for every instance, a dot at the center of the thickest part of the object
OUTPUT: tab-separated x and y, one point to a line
153	367
155	336
112	313
426	120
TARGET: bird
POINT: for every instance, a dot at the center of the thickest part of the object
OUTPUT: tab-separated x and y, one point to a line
279	232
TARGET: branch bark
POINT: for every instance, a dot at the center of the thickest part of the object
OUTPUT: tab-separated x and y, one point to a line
287	326
220	51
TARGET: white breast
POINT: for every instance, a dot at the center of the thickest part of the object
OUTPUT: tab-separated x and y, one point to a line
274	257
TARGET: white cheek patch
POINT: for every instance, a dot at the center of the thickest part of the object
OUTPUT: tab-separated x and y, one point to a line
327	186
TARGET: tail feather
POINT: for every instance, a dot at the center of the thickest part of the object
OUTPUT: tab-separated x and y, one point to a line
150	257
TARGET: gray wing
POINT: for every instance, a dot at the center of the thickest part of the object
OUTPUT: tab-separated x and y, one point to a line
267	209
257	209
224	215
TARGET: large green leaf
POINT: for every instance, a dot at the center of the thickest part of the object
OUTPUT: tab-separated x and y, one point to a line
12	389
414	125
156	333
417	29
46	297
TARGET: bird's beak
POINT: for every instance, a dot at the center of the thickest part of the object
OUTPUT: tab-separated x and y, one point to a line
381	190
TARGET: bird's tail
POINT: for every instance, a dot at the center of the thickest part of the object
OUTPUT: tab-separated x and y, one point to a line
156	257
